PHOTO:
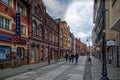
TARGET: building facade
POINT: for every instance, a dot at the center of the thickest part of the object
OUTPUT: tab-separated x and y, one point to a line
13	32
37	32
112	36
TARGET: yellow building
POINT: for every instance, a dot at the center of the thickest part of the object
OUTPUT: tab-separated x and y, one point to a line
65	35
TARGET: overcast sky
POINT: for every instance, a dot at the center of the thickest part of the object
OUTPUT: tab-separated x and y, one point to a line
77	13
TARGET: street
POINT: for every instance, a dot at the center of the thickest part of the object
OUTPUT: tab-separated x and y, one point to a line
58	71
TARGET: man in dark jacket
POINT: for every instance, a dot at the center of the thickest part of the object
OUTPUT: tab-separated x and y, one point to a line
76	57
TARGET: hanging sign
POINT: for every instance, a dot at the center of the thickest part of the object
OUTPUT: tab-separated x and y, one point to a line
17	35
110	43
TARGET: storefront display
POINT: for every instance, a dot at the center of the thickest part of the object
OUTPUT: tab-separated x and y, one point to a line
4	53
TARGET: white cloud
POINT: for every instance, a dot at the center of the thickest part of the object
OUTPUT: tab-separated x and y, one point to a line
79	17
77	13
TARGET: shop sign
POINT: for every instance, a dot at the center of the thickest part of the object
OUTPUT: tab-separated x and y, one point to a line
17	35
110	43
6	38
4	53
14	50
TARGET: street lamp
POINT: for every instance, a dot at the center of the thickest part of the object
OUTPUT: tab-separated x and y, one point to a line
104	68
88	53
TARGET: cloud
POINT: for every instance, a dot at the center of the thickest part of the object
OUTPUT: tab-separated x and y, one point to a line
57	8
77	13
80	16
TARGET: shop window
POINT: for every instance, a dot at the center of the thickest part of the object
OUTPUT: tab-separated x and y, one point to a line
4	53
4	23
46	52
20	53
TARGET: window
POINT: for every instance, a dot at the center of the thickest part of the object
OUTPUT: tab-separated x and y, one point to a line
50	36
46	34
22	29
4	23
41	32
5	53
21	9
20	53
35	10
34	28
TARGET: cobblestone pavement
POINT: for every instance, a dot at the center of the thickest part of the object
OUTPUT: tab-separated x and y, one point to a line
96	70
22	69
87	73
59	71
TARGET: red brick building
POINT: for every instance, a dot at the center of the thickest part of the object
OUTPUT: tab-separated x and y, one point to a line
51	39
60	38
37	32
13	53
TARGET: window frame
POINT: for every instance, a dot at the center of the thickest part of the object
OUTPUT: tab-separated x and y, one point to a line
20	53
23	29
23	6
41	32
34	28
3	22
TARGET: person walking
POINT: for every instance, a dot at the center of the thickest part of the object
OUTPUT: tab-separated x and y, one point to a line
89	60
69	58
76	57
72	58
66	57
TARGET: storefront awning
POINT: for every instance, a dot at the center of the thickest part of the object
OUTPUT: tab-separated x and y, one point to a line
116	25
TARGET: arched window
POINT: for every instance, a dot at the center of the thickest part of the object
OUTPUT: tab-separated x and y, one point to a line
34	27
41	32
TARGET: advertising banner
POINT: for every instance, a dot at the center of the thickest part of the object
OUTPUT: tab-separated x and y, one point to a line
4	53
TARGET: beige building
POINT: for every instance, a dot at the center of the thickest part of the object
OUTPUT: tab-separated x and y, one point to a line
112	21
115	25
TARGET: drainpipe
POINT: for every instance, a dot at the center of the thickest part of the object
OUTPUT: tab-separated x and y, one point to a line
118	51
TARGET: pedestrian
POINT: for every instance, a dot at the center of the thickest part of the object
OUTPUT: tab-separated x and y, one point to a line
72	58
76	57
66	57
89	59
69	58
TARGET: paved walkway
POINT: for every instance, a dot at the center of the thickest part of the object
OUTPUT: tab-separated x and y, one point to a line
60	71
14	71
96	70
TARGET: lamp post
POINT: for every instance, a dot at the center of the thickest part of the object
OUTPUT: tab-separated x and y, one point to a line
88	40
104	68
48	53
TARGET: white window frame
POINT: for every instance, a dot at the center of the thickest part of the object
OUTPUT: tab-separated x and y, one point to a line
3	23
24	8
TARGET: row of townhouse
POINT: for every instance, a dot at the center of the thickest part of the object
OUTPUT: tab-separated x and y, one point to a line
112	25
28	34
